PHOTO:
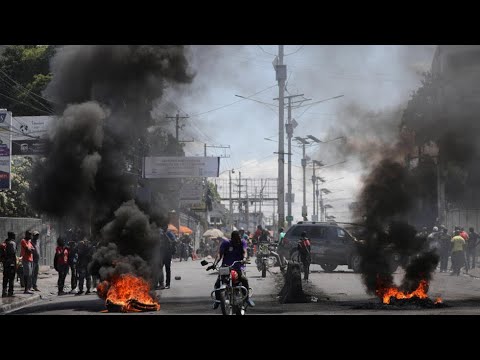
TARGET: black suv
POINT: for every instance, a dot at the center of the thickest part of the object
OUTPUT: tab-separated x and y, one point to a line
331	245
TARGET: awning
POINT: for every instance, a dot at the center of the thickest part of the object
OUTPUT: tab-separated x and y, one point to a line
173	229
185	230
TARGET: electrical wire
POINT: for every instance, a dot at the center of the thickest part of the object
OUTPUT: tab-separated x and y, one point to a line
29	92
266	52
300	48
235	102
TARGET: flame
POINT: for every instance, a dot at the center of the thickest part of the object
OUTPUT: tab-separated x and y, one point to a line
385	293
126	290
438	300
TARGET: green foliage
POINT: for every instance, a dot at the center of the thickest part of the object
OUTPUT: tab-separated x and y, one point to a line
24	74
13	203
421	113
214	192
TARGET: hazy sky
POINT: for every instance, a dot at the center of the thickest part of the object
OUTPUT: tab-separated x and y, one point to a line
373	79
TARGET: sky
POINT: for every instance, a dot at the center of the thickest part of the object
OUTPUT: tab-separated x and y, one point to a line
375	82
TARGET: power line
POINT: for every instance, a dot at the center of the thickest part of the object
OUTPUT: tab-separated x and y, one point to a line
11	92
266	52
21	102
28	91
224	106
300	48
317	102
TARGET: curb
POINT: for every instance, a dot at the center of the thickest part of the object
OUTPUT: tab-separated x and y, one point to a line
18	304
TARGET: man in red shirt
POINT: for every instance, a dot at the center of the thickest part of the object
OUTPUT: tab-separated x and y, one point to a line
60	263
26	253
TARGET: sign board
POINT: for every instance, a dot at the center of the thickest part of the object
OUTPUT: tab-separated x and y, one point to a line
192	192
198	207
304	211
29	134
287	197
289	218
164	167
5	149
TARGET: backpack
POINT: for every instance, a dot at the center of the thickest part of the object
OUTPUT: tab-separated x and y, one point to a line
304	245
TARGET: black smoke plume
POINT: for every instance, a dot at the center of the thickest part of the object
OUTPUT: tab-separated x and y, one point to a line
92	170
386	200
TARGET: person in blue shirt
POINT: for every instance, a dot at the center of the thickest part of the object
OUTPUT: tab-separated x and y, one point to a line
231	250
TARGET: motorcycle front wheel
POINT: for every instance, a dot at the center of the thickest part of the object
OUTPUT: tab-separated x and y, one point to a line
264	270
224	306
239	311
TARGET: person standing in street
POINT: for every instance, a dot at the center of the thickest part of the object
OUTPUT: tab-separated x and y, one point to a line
60	263
472	248
84	250
26	253
36	259
167	250
9	259
305	257
72	264
458	256
445	246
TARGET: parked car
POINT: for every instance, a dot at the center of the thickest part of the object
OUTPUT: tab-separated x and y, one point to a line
331	245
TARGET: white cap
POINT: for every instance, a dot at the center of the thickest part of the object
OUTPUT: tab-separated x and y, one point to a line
435	228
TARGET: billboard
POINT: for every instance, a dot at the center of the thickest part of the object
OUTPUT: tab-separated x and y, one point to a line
192	192
5	148
28	133
165	167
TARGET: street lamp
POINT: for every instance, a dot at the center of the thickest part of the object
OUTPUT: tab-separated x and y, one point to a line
230	172
314	181
304	141
325	207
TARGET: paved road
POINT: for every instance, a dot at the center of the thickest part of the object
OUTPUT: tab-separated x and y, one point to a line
337	293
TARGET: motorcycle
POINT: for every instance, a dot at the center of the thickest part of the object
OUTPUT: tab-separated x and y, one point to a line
267	257
232	293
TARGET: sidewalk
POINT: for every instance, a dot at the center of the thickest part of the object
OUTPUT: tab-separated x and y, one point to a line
47	283
473	272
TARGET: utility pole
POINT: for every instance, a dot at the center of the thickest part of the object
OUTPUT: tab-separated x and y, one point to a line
260	206
247	215
289	128
322	210
255	223
441	203
313	182
239	191
230	196
281	77
177	126
304	142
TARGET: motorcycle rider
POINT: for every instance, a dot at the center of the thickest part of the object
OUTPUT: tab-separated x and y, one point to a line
231	250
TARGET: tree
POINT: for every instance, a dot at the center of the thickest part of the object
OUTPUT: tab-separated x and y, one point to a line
13	202
24	74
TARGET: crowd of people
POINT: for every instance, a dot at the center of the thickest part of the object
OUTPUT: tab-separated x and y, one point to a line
25	267
459	246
